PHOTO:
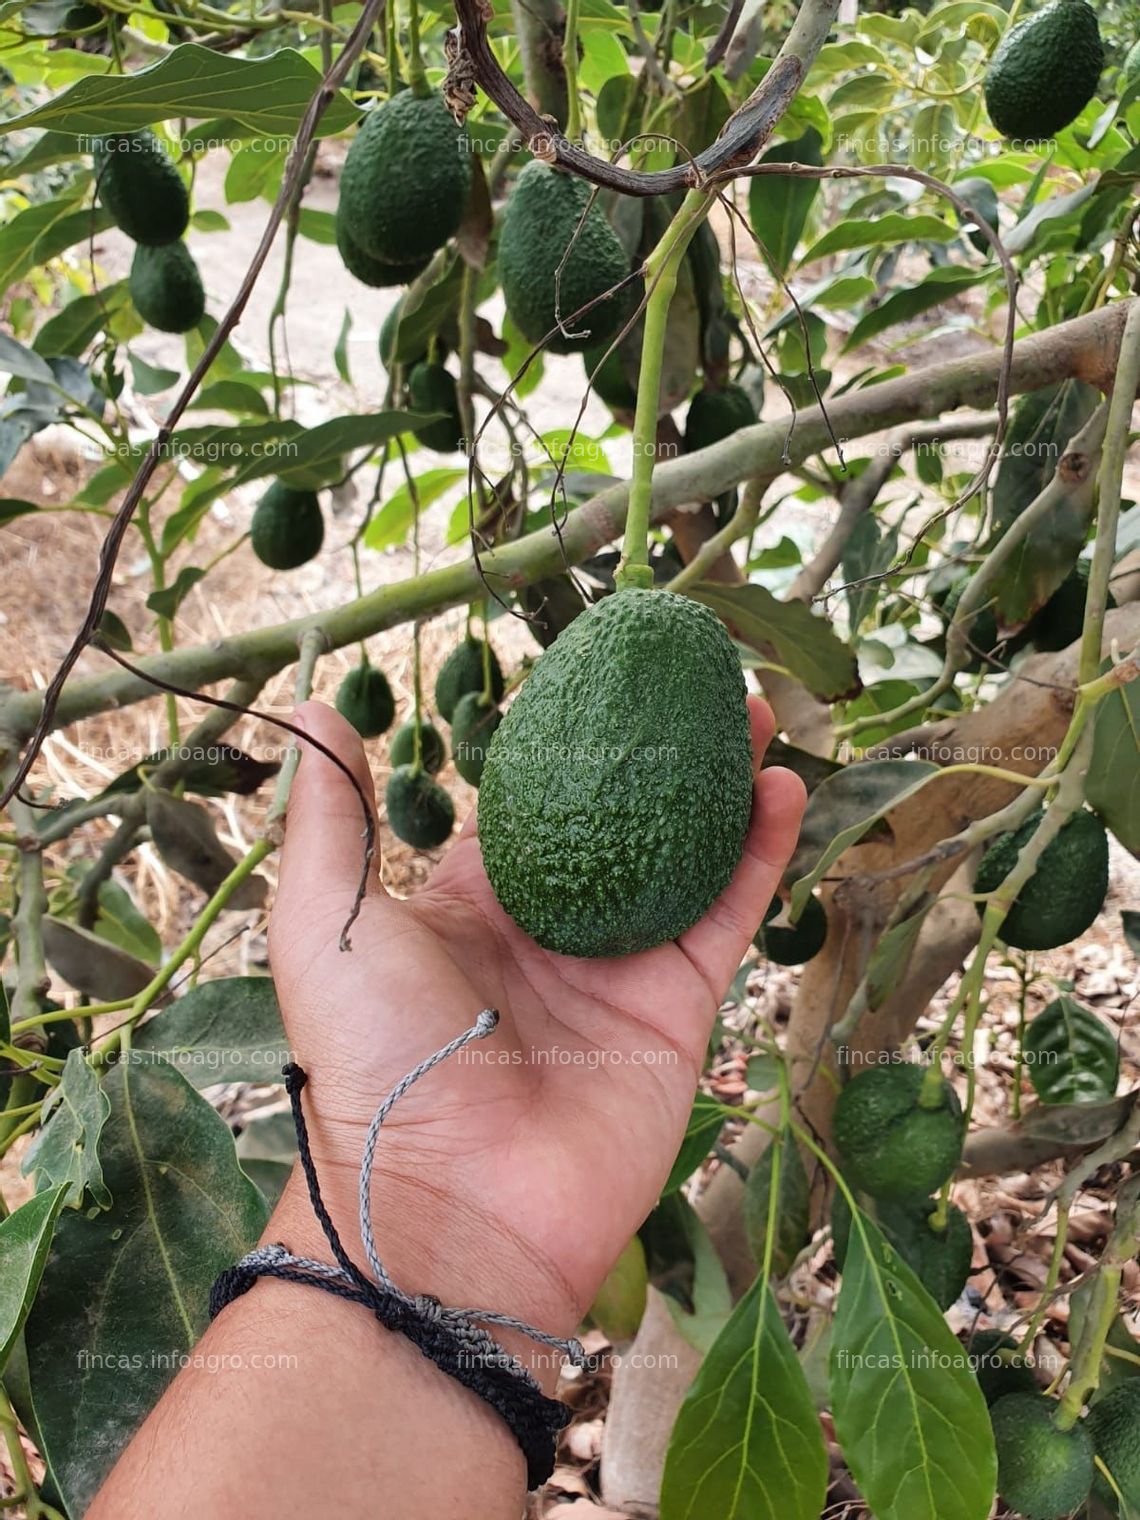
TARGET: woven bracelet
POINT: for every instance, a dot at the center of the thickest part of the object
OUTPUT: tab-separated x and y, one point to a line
454	1339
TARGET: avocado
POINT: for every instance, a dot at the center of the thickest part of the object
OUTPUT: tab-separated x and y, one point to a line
462	672
1114	1424
617	791
981	628
166	287
432	388
1065	893
419	810
1061	621
141	188
940	1259
540	220
609	378
1043	1472
717	414
472	726
893	1146
997	1376
365	699
794	946
406	179
287	528
369	271
433	751
981	197
1045	71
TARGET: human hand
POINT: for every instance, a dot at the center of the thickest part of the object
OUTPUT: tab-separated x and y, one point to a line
513	1175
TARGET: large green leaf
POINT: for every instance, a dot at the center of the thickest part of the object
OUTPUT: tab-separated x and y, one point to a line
66	1150
1070	1055
747	1443
267	95
805	644
909	1413
1040	427
130	1287
880	232
938	286
46	229
779	205
1113	785
312	457
25	1237
705	1123
228	1030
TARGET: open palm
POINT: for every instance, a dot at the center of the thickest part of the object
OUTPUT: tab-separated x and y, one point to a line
544	1146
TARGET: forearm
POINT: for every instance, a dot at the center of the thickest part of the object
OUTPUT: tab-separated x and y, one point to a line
299	1403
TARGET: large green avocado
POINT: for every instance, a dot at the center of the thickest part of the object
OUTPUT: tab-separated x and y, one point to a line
1065	893
1045	71
166	287
617	791
1043	1472
406	179
432	388
141	188
1114	1424
540	220
369	271
892	1145
287	528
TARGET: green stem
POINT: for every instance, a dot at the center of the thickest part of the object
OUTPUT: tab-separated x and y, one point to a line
417	76
570	68
1052	1278
1085	1367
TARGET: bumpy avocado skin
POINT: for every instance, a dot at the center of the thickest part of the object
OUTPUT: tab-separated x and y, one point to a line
797	945
716	414
1045	71
433	750
287	528
618	789
1114	1424
462	672
369	271
406	179
538	224
1066	892
997	1378
365	699
891	1146
419	810
1043	1472
940	1259
141	188
473	726
166	287
432	388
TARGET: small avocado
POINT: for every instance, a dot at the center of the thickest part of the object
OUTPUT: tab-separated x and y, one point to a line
1044	71
797	945
1060	622
420	812
369	271
981	627
1114	1424
997	1373
716	414
365	699
1043	1472
140	186
1065	893
406	179
472	725
940	1259
166	287
617	791
893	1146
462	672
981	197
433	750
432	388
287	528
541	219
609	378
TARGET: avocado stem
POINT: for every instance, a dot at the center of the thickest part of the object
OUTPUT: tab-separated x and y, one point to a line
570	69
417	78
1084	1369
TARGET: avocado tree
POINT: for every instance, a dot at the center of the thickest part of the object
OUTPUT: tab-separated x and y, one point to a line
856	287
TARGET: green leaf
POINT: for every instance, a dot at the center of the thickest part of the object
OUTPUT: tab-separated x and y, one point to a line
705	1123
938	286
232	396
45	229
134	1281
165	603
842	809
807	645
120	923
1130	923
92	965
1113	784
747	1443
76	325
778	206
888	961
390	525
701	1311
317	226
1039	431
793	1204
869	554
313	457
23	363
11	508
25	1238
207	220
620	1302
1070	1055
66	1151
228	1030
880	232
909	1413
340	352
150	379
268	95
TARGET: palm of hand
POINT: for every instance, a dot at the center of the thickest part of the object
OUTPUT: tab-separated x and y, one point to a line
557	1130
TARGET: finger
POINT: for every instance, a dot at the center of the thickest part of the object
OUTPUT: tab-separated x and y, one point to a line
324	827
716	946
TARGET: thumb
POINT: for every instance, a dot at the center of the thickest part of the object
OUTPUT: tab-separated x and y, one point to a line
324	824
